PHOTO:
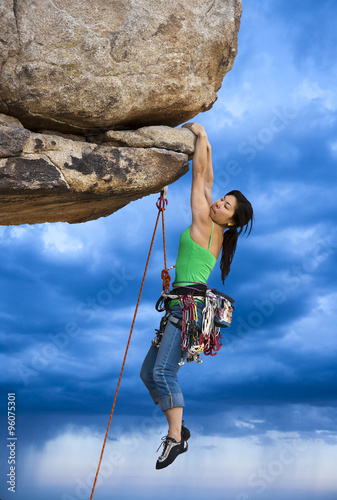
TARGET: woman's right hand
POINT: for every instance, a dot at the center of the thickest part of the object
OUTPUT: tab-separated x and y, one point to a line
196	128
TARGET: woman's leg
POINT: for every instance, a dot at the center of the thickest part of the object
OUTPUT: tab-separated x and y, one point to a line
146	373
174	417
165	371
171	348
159	374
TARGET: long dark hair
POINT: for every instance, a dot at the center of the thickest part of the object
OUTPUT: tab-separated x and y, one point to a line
243	223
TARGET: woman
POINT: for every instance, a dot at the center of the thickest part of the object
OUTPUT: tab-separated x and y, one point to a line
215	227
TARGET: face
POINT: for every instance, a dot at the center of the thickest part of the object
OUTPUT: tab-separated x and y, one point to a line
223	210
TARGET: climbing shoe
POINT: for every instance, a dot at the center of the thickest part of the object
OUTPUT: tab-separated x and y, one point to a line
170	452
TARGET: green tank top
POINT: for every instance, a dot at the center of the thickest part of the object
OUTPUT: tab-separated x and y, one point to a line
194	263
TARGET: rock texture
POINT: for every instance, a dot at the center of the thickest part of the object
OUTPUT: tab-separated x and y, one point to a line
48	178
79	65
180	140
97	87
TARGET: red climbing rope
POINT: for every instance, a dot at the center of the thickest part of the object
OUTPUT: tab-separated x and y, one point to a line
165	275
161	203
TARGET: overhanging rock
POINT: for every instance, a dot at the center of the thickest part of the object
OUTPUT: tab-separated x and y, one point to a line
47	178
79	65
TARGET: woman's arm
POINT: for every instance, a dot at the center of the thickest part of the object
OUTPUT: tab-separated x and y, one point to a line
209	175
202	181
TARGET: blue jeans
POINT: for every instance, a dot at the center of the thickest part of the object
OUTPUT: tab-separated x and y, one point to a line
160	368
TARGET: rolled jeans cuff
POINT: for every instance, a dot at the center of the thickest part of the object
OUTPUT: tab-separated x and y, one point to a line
172	401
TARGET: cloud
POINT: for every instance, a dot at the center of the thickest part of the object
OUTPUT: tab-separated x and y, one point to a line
129	458
309	91
333	149
56	237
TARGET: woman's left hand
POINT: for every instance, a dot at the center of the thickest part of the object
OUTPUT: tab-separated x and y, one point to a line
196	128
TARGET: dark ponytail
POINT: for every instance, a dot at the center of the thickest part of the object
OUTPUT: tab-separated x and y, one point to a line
243	222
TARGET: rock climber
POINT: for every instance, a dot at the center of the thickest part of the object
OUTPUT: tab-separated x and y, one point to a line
215	228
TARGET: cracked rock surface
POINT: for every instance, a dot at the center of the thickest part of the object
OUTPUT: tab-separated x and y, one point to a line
77	65
49	178
90	93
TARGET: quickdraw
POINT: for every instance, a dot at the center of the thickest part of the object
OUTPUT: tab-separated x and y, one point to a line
216	314
189	329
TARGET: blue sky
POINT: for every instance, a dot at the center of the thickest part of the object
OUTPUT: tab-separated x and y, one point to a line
263	411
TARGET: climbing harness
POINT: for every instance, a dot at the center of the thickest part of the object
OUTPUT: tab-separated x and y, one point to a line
216	314
161	203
